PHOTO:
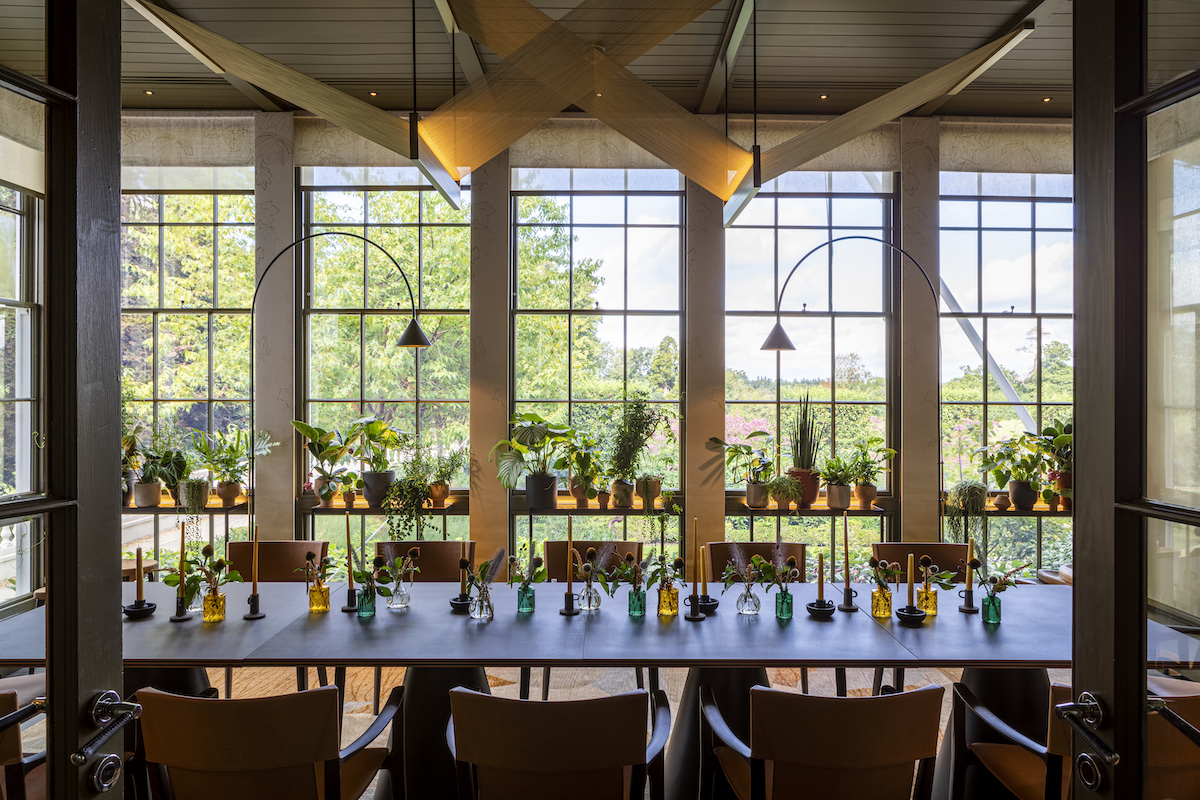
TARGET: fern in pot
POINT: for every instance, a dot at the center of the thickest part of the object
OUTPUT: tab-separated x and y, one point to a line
227	457
805	437
445	466
531	453
869	460
838	474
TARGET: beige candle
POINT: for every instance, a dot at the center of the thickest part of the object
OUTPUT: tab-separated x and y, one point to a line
703	572
349	554
970	557
846	546
570	563
182	564
696	550
140	596
911	573
821	576
254	576
462	578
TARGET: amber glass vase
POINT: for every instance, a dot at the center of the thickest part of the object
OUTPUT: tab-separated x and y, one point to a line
927	601
214	607
881	603
318	598
668	601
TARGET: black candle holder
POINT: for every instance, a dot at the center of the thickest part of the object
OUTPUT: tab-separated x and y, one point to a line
254	612
968	606
181	612
910	616
351	606
820	609
568	609
461	603
708	604
139	609
847	603
696	614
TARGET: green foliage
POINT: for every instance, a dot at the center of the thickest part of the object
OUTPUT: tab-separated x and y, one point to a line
884	573
582	461
377	439
805	435
525	574
1055	443
745	461
533	448
375	580
870	459
404	505
1015	459
638	422
663	573
445	465
328	448
227	455
785	489
966	507
208	570
838	471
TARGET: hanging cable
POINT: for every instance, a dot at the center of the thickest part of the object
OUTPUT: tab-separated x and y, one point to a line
414	56
754	31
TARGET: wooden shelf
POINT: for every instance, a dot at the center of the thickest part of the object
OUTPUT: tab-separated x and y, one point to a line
456	505
167	508
735	506
1039	510
567	507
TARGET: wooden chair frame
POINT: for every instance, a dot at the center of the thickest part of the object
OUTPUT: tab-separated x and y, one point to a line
17	765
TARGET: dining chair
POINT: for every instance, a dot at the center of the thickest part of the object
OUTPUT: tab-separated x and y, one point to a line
284	746
24	775
556	570
522	750
850	747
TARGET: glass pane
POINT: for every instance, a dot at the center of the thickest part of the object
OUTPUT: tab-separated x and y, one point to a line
19	554
858	268
435	209
653	268
749	262
960	270
393	208
742	419
542	179
446	427
16	353
541	209
962	436
807	369
1013	345
188	208
1172	40
1008	543
1058	361
959	214
1055	272
858	212
235	267
389	371
599	269
337	269
235	208
654	210
188	259
338	207
446	365
183	356
597	349
749	371
139	266
1007	272
385	285
10	254
137	355
1174	558
16	447
1055	215
543	267
810	283
759	211
856	424
962	361
808	211
541	358
1006	215
861	359
445	267
231	356
334	356
653	357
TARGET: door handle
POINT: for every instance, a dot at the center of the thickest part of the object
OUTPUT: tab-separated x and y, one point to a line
1179	723
1084	716
109	713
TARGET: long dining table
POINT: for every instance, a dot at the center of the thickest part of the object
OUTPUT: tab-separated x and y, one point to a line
1035	632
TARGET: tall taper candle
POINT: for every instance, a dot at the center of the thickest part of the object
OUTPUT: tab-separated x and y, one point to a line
254	575
349	554
462	578
570	562
182	564
696	550
911	574
970	557
703	572
846	546
821	576
140	596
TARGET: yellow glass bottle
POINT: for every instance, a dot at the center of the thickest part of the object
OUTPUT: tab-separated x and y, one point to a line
668	601
881	603
927	601
214	607
318	598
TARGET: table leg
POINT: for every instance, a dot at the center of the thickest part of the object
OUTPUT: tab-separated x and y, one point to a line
839	677
525	675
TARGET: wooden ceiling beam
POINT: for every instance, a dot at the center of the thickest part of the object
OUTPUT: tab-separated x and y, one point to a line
464	46
731	41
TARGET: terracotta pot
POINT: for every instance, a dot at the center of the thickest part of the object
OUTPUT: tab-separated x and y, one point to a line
438	492
648	490
318	485
376	485
837	496
541	492
147	495
1023	495
602	497
348	497
622	494
811	481
866	494
1066	480
228	492
1002	502
756	495
1054	502
579	492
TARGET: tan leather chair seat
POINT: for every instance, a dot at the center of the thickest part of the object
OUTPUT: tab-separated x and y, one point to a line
1021	772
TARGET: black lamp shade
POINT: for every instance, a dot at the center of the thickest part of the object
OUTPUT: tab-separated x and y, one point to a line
778	339
413	336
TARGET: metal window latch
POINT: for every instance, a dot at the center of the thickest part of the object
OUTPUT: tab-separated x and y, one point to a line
1084	716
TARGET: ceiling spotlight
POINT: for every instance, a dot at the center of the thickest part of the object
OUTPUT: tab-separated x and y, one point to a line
149	92
1047	99
824	97
374	94
598	94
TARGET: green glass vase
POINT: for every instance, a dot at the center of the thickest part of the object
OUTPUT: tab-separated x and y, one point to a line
366	602
990	609
526	598
637	602
783	604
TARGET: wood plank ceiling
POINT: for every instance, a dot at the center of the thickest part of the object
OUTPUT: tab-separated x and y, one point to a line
849	50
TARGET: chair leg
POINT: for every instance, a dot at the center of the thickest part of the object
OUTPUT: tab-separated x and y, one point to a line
545	684
229	683
637	674
339	680
378	689
804	680
898	679
653	679
322	676
301	678
877	686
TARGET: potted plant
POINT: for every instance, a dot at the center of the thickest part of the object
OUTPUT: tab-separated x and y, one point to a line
376	442
785	490
131	455
328	448
746	572
445	466
805	437
966	509
631	572
404	568
350	485
525	576
639	420
881	596
868	461
147	492
648	486
838	474
1055	442
1016	463
227	456
748	463
193	495
531	454
582	463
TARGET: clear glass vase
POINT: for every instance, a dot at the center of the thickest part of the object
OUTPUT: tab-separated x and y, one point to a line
589	598
318	598
989	607
881	603
526	599
668	601
784	602
366	602
637	602
481	604
927	601
748	602
214	607
400	597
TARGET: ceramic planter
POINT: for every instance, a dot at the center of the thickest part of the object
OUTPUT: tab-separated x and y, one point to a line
376	485
1023	495
348	497
1066	480
228	492
147	495
837	496
1001	502
648	490
194	496
579	492
866	494
319	485
756	495
811	481
622	494
127	493
438	492
602	498
541	492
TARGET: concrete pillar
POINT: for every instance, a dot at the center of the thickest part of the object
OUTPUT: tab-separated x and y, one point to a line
703	399
918	466
491	227
275	324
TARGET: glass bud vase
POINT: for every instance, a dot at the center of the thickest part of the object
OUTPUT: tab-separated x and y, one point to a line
783	604
668	601
881	603
318	598
400	597
214	607
481	604
525	599
748	602
927	601
589	598
637	602
990	609
366	602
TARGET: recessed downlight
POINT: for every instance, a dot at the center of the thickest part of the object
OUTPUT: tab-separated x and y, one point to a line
149	92
1047	99
373	94
824	97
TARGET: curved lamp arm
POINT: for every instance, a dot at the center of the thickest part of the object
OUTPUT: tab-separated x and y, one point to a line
777	339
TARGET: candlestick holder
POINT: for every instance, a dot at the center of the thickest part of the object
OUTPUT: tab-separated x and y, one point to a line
461	603
181	612
568	609
708	604
847	603
820	609
696	614
351	606
254	613
910	616
968	606
139	609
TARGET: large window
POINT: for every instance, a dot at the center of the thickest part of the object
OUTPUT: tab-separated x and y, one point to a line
1007	336
20	329
598	308
837	311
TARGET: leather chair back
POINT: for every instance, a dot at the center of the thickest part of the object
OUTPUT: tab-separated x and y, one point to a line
721	553
438	560
946	555
556	555
277	561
